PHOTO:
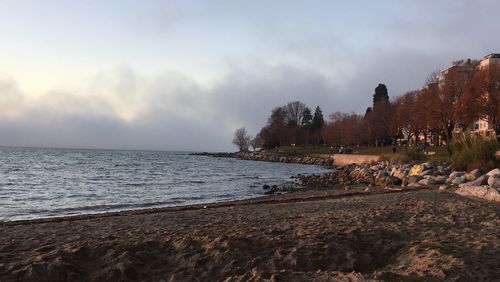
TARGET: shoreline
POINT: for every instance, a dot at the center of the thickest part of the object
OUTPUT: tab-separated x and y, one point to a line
297	195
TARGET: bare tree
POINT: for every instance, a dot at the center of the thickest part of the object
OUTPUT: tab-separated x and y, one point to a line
255	142
433	77
241	139
294	111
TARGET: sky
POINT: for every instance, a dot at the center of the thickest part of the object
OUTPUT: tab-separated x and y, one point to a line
184	75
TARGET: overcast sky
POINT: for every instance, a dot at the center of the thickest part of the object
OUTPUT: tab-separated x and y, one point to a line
183	75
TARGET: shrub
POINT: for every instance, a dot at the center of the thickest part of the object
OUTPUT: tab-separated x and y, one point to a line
471	152
414	154
410	156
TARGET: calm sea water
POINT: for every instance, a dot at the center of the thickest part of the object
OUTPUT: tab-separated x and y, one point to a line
38	183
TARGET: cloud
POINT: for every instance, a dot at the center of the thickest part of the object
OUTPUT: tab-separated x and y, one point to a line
124	109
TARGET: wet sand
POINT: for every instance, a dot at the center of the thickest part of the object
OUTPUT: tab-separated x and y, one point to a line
335	235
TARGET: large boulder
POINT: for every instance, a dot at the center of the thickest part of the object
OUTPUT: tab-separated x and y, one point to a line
456	174
414	178
481	180
427	182
426	172
484	192
440	179
416	170
494	172
428	165
399	173
494	181
393	180
440	170
458	180
472	175
387	180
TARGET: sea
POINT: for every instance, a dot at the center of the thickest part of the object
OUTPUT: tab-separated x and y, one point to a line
41	183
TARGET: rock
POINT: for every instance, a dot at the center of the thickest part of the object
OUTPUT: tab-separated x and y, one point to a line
392	180
472	175
440	170
456	174
481	180
266	187
414	178
494	181
428	165
416	170
493	172
443	187
426	172
427	182
458	180
440	179
274	189
381	181
406	166
484	192
399	173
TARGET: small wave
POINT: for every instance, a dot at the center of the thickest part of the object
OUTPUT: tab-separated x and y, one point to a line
196	182
135	184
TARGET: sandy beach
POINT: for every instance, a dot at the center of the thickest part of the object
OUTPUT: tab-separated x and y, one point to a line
335	235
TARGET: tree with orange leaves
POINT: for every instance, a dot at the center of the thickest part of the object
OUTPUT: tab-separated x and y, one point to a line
484	94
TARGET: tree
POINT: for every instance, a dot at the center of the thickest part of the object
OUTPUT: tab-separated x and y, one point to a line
483	95
255	142
306	118
432	77
273	134
380	95
317	123
344	129
318	120
306	125
241	139
294	112
444	98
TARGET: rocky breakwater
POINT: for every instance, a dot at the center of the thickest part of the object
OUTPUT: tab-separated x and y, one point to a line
215	154
270	157
473	183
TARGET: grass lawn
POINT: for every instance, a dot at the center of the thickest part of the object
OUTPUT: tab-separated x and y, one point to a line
439	153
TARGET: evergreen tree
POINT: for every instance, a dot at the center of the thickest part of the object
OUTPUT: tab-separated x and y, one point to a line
380	95
318	120
306	118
